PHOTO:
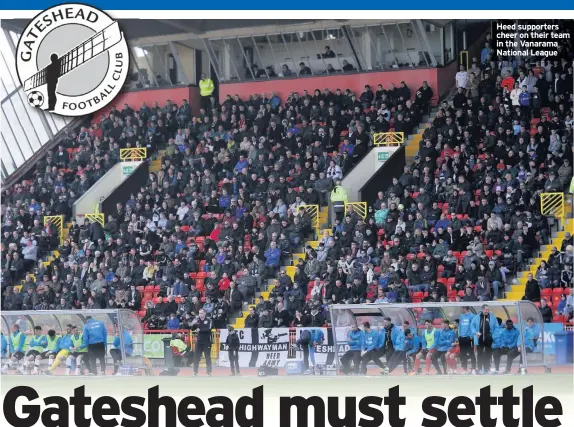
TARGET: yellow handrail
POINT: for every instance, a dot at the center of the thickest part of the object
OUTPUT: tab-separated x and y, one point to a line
99	217
133	154
388	139
359	207
313	212
58	221
463	53
552	204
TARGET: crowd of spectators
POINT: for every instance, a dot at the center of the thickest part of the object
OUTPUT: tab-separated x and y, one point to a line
221	218
223	207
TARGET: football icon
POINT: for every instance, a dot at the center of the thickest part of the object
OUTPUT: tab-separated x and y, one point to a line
35	99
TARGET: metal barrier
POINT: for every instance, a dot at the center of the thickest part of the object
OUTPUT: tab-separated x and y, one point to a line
359	207
58	221
313	212
388	139
99	217
133	154
552	204
462	62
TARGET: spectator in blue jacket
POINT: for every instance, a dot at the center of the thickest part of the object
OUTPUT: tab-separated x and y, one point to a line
446	339
241	164
370	348
483	326
173	322
355	341
272	259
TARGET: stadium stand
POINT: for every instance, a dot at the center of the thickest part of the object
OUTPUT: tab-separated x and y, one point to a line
233	218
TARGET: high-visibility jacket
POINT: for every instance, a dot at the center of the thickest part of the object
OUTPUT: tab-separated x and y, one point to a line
38	343
53	344
339	194
206	87
77	343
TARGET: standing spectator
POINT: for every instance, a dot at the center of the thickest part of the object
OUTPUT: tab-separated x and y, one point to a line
206	88
462	78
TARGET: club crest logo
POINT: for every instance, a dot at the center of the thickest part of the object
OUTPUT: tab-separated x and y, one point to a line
72	60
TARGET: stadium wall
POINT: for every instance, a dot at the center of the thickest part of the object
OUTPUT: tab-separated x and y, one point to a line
100	190
382	179
160	95
130	185
355	82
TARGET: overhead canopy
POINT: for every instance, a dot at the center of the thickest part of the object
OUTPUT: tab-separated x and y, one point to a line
145	28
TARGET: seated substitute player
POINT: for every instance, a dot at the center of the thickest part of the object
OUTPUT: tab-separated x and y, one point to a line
387	337
445	342
509	346
64	346
116	351
413	347
36	347
430	340
355	341
454	353
531	335
16	343
52	347
369	349
78	353
3	346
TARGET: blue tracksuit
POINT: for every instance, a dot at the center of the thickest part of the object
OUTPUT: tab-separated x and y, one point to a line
465	325
445	339
497	338
19	347
4	346
395	331
95	332
475	325
370	340
413	345
509	338
399	339
355	340
531	333
128	343
65	343
317	337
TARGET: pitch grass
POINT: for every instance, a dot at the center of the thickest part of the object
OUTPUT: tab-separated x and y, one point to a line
555	384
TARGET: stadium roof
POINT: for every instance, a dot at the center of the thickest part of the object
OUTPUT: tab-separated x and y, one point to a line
148	28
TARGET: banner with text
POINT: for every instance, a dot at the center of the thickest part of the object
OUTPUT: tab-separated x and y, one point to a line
259	347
